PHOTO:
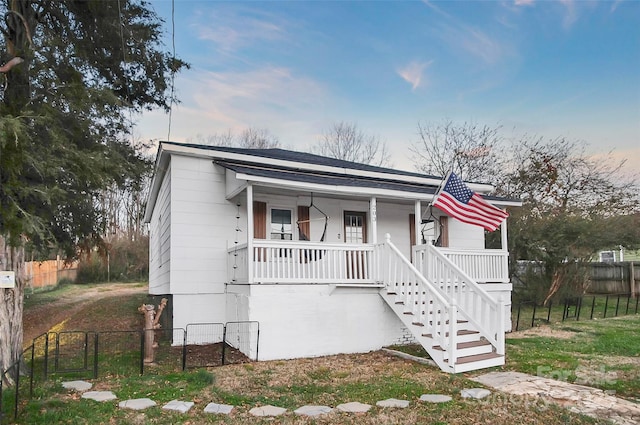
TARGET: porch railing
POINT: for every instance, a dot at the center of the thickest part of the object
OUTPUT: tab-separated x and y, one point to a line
475	304
482	265
302	262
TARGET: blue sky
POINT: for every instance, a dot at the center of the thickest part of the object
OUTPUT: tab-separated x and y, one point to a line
550	68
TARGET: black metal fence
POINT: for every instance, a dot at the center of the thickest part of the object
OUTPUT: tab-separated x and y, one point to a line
525	315
87	355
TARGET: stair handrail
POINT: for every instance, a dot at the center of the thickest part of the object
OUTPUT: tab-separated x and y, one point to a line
440	295
448	318
496	339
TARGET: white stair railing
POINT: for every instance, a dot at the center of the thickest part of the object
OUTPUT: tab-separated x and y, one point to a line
429	306
486	314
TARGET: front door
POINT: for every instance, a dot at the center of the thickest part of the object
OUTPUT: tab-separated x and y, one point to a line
355	232
355	227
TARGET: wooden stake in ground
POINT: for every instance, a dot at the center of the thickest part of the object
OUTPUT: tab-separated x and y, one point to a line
151	323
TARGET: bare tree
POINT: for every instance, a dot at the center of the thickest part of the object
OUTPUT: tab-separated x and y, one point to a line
249	138
257	138
218	139
344	140
472	151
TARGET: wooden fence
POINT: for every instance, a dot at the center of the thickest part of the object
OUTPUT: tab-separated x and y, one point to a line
615	278
40	274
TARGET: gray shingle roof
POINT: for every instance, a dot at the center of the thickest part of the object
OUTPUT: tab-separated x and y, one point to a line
303	157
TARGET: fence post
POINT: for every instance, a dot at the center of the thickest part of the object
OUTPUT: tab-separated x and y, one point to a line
593	305
184	349
579	309
617	305
637	299
224	342
533	317
1	380
606	305
15	413
549	312
95	355
258	341
86	350
141	352
46	355
628	301
518	316
33	350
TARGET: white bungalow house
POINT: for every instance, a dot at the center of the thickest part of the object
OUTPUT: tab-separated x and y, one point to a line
328	256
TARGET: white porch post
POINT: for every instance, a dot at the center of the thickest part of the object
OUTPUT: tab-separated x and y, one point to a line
374	220
503	236
250	233
505	246
418	222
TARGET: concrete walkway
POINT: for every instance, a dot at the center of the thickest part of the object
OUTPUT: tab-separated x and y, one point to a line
577	398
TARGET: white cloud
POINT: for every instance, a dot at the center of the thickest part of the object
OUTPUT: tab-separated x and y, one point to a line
615	5
275	98
413	73
570	14
233	28
524	2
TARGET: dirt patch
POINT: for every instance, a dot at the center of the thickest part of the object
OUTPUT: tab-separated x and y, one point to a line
209	355
544	331
41	318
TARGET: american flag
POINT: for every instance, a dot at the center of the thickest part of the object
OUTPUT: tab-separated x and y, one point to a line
460	202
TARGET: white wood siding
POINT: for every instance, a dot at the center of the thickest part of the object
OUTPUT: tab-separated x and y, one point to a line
465	236
203	225
198	308
160	242
394	219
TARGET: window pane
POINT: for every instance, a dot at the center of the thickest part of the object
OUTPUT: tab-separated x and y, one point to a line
281	227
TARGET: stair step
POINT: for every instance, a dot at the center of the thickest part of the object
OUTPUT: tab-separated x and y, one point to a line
476	358
459	333
464	345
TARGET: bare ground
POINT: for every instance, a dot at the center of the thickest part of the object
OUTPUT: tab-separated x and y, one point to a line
41	317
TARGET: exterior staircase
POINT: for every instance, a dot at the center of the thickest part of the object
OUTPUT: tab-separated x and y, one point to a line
449	314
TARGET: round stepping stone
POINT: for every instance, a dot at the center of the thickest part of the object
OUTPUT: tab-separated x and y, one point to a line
99	395
435	398
354	407
137	403
313	410
178	406
267	411
393	402
77	385
222	409
477	393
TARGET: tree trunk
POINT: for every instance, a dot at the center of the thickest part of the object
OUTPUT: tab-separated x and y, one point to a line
11	303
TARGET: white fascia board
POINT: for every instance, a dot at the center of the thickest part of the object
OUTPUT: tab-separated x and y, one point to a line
346	190
192	151
505	203
161	165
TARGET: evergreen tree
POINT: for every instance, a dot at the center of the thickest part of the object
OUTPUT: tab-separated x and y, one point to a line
74	73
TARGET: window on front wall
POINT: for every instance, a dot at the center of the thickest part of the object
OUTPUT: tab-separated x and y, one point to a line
281	224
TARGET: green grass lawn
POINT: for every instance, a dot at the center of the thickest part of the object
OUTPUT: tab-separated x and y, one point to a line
602	353
330	381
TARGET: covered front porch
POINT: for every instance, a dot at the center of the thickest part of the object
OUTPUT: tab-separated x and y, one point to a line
352	225
300	262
